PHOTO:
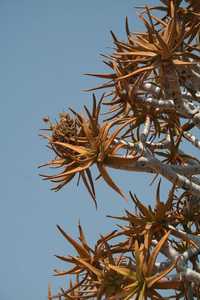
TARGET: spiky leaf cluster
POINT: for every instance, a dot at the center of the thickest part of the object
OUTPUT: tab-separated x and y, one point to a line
129	268
152	100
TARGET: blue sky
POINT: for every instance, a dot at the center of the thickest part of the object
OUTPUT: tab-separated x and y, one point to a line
46	46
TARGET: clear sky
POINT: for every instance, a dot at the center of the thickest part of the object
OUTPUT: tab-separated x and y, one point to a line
46	46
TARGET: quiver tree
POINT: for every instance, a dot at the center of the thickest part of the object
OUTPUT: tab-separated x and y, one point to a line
151	99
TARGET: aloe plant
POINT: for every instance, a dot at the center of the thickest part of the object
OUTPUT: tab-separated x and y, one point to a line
152	97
